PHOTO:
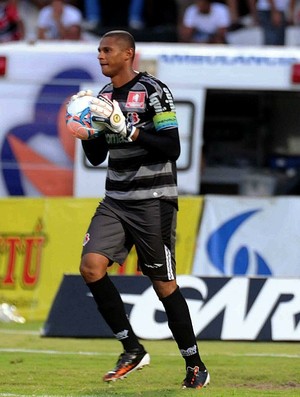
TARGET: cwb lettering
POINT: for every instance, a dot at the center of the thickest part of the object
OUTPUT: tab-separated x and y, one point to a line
237	308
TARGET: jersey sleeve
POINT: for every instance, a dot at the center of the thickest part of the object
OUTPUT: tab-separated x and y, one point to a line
164	136
161	102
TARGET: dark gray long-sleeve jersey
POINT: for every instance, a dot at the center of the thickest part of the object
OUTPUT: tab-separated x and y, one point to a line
145	168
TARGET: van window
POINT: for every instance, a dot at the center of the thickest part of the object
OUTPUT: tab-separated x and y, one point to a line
251	136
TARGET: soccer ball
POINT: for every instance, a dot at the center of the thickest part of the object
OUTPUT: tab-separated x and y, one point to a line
79	118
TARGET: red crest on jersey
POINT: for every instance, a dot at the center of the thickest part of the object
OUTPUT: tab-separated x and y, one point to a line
135	99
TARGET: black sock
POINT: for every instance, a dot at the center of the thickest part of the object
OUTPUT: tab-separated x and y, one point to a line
179	321
111	306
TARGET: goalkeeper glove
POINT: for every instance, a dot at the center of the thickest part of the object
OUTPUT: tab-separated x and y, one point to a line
108	113
80	94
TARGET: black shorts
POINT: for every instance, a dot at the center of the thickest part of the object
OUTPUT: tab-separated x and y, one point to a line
150	225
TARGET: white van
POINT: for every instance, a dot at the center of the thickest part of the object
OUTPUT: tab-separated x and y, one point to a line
238	112
238	116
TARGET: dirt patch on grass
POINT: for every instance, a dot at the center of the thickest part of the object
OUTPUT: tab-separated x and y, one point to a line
271	386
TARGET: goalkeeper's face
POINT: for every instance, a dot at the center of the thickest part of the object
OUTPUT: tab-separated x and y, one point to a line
113	56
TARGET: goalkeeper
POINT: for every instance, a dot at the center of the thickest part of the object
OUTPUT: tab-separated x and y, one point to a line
136	118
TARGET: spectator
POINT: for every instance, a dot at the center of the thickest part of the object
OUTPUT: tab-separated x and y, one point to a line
39	4
92	13
141	17
273	16
136	10
162	25
11	23
205	21
115	14
242	13
59	21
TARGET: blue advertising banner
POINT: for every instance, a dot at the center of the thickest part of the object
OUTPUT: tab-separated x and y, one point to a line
239	308
249	236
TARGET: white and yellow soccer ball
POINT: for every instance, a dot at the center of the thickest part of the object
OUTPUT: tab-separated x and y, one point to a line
79	118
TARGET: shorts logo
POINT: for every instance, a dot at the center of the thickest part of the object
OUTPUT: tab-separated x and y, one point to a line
154	265
135	100
86	239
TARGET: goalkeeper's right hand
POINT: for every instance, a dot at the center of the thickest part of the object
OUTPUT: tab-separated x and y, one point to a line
108	113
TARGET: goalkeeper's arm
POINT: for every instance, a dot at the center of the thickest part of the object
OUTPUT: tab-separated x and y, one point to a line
164	143
95	150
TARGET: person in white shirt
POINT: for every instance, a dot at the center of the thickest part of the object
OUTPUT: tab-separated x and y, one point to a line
205	21
273	16
59	21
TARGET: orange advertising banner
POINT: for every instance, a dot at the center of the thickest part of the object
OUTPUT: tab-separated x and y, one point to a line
41	240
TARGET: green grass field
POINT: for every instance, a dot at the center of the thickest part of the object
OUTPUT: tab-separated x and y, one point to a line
31	365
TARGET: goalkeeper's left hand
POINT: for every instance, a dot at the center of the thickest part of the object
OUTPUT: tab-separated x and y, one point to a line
108	113
81	94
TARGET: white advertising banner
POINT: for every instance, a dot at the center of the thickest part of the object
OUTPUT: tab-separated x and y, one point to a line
249	236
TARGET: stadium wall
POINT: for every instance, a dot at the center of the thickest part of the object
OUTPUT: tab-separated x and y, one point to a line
233	253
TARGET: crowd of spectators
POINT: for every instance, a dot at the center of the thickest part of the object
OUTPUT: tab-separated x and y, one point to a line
274	17
59	21
11	22
197	21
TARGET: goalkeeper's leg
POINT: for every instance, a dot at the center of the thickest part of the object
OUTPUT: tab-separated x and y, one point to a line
180	324
111	307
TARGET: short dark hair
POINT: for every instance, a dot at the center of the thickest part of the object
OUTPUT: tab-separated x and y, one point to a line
123	35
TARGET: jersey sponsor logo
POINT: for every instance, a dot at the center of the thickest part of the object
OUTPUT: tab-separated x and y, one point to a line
155	103
115	139
135	99
169	100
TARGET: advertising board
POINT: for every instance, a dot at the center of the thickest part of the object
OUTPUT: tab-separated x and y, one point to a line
248	236
236	308
41	240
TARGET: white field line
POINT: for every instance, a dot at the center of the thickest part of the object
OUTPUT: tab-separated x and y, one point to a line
58	352
16	332
53	352
40	395
284	355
